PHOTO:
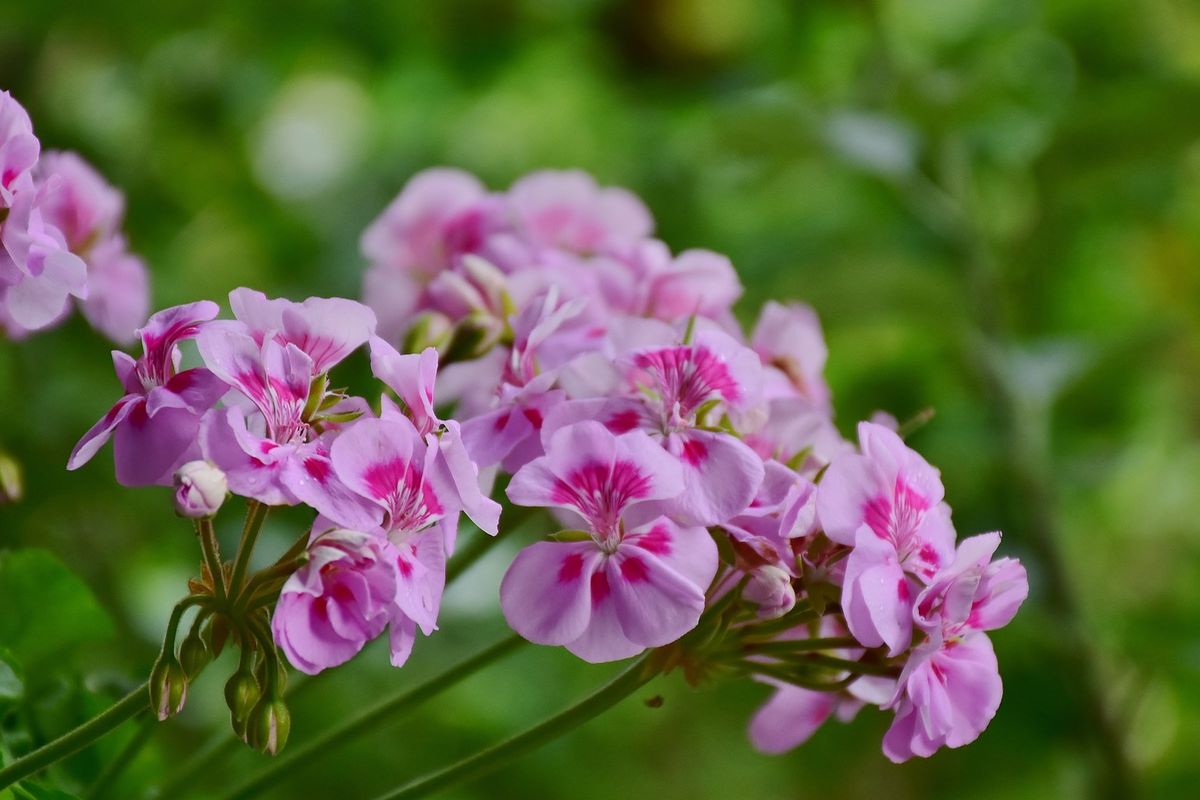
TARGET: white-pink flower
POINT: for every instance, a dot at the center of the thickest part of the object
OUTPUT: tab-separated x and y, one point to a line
637	579
885	502
950	687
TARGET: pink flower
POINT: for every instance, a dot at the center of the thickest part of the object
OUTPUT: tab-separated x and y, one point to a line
18	147
155	424
791	344
546	335
886	502
36	266
950	688
273	356
439	216
637	580
83	206
118	290
412	377
326	329
647	281
677	394
566	210
386	462
344	597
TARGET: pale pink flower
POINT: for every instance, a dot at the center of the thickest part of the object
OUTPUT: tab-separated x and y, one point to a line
885	502
950	687
412	377
566	210
638	579
789	340
677	394
341	599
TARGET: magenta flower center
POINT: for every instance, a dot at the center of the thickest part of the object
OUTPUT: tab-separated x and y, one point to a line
600	493
682	379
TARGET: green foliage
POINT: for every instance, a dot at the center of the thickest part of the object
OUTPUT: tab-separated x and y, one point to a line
47	609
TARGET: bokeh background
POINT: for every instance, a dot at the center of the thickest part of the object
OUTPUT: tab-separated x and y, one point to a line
993	204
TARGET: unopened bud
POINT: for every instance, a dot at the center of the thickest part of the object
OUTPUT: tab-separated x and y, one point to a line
168	687
241	694
429	329
771	589
473	336
269	724
12	487
193	654
200	489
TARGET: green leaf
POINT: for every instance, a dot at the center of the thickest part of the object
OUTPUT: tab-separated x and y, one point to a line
47	609
12	688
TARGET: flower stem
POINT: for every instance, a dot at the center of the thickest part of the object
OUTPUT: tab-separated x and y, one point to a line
633	678
102	724
256	513
212	555
364	722
112	771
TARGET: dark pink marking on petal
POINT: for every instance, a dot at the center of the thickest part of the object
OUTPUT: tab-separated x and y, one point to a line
633	569
534	416
600	588
571	568
405	568
501	422
902	590
623	422
657	540
695	452
318	468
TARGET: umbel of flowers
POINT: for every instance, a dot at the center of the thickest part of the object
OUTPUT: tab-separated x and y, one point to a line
684	492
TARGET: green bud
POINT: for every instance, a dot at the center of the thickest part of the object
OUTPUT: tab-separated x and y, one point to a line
193	654
168	686
241	694
429	329
472	337
268	726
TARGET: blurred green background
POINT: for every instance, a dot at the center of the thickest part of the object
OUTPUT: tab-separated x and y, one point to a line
993	204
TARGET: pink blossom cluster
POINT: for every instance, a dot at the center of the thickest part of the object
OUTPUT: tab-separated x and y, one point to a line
696	493
61	240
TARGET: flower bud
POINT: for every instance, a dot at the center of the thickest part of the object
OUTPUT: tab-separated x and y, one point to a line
268	726
11	485
193	654
241	694
429	329
200	489
771	589
168	686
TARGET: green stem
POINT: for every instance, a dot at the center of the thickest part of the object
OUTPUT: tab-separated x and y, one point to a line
256	512
799	645
486	761
363	723
278	572
212	555
112	771
102	724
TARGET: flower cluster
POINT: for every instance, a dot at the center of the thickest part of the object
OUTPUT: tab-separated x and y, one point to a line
698	499
60	238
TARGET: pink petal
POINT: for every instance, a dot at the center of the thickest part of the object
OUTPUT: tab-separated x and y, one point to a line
655	605
790	718
721	476
94	439
876	596
546	594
